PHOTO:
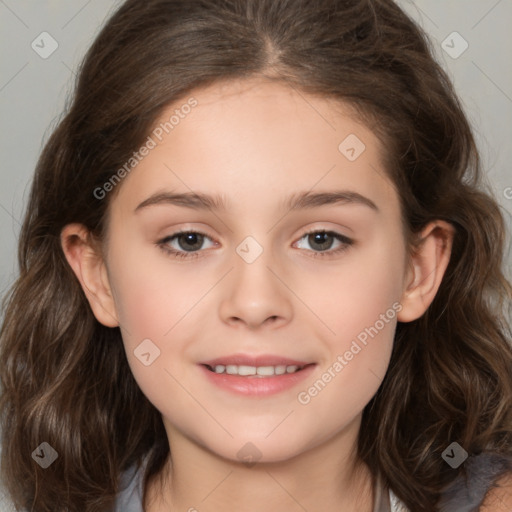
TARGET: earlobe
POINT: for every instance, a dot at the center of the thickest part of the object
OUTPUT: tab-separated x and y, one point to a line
89	267
427	267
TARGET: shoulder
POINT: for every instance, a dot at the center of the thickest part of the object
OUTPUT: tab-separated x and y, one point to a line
499	497
129	497
483	485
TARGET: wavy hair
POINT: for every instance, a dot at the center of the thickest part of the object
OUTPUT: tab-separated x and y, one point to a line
65	377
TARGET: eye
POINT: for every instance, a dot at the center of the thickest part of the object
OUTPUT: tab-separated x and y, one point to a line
189	241
324	240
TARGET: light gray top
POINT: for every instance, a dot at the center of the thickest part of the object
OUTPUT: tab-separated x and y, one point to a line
130	497
461	496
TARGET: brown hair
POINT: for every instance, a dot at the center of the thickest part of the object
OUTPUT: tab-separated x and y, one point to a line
65	377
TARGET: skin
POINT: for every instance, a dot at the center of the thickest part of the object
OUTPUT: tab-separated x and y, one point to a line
256	143
499	499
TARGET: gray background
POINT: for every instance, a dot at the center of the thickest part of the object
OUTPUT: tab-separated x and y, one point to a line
33	90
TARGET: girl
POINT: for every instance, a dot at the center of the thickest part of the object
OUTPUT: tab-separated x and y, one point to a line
258	272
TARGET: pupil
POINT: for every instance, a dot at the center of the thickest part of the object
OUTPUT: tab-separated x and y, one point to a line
318	239
191	239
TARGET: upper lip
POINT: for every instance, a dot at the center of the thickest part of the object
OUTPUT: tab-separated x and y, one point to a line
260	360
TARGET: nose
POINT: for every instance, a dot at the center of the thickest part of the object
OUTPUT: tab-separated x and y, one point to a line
256	294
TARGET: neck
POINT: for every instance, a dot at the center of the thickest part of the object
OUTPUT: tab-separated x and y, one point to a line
328	477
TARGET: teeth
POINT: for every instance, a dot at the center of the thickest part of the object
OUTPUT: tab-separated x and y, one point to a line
246	370
280	370
263	371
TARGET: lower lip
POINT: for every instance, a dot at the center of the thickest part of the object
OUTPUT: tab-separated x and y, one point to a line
257	386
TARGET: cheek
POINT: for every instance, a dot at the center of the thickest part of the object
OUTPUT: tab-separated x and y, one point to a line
358	319
356	357
152	294
353	294
154	302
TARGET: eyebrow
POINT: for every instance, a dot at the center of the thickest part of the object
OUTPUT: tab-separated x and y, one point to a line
299	201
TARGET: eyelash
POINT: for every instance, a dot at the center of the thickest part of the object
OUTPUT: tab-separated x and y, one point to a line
163	244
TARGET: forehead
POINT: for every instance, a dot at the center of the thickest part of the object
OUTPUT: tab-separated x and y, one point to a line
258	140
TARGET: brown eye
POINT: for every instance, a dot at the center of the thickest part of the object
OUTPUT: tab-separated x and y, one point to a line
188	244
192	241
322	241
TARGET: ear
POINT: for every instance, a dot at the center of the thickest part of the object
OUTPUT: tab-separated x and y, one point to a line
87	263
427	267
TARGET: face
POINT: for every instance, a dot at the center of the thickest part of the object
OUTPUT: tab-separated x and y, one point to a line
257	285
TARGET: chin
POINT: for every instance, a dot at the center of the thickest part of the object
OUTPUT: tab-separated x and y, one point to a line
249	451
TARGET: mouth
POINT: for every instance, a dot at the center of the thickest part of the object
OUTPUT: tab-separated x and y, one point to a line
256	377
256	371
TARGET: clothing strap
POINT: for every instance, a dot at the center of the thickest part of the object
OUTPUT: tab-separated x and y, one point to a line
382	501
